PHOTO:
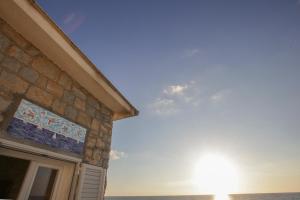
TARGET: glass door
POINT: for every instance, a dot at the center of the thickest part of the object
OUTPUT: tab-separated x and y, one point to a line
41	181
43	184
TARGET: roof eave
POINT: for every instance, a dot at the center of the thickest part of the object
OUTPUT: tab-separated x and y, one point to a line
38	28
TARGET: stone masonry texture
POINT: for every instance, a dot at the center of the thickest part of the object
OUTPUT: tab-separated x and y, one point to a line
25	72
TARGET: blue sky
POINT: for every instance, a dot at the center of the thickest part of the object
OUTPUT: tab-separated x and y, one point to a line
207	76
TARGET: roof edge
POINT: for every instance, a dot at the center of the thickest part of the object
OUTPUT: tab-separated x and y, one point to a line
110	95
116	116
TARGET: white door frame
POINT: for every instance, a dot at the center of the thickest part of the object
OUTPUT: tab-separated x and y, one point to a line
34	150
30	177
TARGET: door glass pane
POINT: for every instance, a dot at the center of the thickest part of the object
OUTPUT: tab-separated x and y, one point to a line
43	184
12	173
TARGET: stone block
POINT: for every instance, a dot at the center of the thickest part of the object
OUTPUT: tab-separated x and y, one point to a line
93	102
46	67
100	144
92	133
32	51
100	134
91	142
78	93
84	119
11	64
107	138
6	92
90	110
4	103
1	57
42	82
54	88
4	42
93	162
69	97
58	107
104	129
40	96
106	154
98	115
12	82
95	125
29	74
105	163
14	36
96	155
71	113
88	153
65	81
106	118
106	111
80	104
18	54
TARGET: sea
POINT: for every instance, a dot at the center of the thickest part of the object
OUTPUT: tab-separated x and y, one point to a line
264	196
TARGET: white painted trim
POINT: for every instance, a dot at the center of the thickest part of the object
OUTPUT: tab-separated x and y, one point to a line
35	150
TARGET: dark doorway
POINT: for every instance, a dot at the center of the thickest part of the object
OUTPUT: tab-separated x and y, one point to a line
12	173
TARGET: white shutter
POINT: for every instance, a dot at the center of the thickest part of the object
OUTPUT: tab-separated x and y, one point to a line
91	183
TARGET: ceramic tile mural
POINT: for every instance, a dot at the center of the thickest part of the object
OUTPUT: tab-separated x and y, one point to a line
35	123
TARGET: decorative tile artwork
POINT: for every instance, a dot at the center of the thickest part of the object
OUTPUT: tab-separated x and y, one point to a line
33	122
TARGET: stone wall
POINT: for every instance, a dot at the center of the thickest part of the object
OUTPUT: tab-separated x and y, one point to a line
27	72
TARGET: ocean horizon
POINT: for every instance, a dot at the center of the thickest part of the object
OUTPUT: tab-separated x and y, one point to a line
253	196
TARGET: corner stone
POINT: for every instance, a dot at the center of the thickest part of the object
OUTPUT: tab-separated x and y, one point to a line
84	119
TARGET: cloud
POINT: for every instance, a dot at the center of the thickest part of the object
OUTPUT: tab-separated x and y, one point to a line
72	21
175	89
174	97
116	155
191	52
220	96
164	106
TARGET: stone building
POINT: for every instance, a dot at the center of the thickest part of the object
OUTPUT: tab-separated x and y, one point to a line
56	111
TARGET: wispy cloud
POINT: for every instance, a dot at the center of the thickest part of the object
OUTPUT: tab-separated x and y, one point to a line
177	97
164	106
116	155
72	21
175	89
191	52
220	96
173	97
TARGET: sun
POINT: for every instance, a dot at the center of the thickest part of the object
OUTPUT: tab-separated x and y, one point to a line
216	174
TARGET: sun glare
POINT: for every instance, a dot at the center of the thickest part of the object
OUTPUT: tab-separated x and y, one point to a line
217	175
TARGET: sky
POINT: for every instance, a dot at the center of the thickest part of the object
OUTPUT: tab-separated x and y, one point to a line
208	77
